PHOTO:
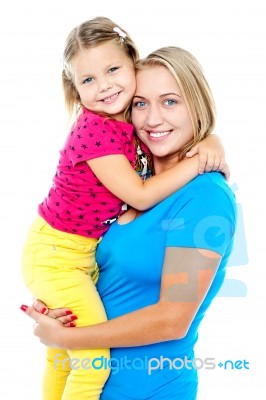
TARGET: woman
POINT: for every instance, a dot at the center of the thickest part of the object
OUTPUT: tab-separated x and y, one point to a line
165	266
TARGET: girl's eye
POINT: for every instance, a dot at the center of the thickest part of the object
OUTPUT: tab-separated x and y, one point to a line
139	104
170	102
88	80
113	69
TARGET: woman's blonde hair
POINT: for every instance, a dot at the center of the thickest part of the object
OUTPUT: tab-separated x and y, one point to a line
87	35
193	85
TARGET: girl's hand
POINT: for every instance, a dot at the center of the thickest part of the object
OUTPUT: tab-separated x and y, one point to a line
211	155
64	315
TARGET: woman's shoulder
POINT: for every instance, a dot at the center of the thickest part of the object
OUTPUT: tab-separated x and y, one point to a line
208	189
213	182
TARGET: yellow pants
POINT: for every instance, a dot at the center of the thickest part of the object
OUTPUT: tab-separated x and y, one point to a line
60	269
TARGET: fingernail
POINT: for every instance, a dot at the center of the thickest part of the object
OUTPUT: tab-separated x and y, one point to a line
73	317
72	324
43	310
23	307
68	312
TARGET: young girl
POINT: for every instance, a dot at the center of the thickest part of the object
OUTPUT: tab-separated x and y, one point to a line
95	177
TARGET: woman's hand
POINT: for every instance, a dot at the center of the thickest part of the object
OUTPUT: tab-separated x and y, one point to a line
50	328
211	155
64	315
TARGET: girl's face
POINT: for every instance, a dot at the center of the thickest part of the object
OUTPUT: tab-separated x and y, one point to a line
105	79
159	113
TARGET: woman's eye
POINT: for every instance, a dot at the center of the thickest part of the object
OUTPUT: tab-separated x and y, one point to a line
88	80
170	102
139	104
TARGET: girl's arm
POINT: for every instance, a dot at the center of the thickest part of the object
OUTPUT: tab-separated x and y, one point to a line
168	319
117	174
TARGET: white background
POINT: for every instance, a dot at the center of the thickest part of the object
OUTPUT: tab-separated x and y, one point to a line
228	38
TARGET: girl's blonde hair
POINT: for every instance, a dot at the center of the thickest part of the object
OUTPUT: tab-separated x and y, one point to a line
194	88
87	35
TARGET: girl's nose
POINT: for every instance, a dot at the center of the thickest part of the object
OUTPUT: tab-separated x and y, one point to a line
105	84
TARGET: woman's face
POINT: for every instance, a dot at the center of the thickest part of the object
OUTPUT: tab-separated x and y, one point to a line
159	113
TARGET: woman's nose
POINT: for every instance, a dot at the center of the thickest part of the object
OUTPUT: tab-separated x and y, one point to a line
154	116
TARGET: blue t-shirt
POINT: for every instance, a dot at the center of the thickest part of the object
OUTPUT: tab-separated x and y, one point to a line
200	215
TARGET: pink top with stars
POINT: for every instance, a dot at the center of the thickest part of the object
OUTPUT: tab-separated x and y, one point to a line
78	202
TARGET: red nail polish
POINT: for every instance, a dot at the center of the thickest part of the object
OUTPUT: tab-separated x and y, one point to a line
68	312
23	307
73	317
72	324
43	310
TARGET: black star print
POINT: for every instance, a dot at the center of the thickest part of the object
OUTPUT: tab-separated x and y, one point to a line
98	144
84	146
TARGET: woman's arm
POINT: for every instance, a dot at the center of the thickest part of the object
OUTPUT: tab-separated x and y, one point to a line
182	292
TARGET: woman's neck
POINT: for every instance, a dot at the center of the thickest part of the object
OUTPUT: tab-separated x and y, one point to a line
161	164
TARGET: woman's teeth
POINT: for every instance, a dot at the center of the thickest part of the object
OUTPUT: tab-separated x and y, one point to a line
158	134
